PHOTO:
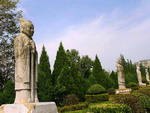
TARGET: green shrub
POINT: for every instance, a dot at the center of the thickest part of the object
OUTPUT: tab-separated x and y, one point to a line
71	100
96	89
134	88
132	101
144	99
133	84
96	98
110	108
111	91
73	107
145	91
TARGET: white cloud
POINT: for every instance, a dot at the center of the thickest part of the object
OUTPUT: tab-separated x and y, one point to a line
107	36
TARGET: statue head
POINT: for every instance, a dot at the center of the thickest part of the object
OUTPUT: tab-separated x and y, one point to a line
119	61
26	27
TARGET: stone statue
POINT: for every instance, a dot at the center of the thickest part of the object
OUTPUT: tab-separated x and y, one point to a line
26	61
147	75
139	76
121	77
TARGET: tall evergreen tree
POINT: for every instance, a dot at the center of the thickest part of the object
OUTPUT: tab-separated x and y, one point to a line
61	60
114	77
45	78
99	74
129	70
8	30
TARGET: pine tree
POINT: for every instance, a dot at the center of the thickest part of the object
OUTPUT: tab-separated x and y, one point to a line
114	77
99	74
8	30
60	62
45	78
67	83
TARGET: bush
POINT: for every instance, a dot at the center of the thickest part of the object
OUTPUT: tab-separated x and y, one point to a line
110	108
96	89
7	96
73	107
111	91
96	98
71	100
145	91
144	99
132	101
135	88
133	84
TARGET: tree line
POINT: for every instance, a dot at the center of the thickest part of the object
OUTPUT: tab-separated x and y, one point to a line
72	74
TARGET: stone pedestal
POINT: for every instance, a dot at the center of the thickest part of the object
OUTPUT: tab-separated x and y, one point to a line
123	91
142	84
41	107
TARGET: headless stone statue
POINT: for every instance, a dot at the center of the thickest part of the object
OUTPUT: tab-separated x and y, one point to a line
147	75
139	76
121	77
25	64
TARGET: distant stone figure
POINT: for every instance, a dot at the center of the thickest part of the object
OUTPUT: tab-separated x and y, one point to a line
121	77
26	61
147	75
139	76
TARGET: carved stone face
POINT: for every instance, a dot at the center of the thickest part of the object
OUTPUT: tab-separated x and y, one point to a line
28	30
26	27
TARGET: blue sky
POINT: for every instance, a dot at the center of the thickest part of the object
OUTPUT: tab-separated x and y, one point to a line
107	28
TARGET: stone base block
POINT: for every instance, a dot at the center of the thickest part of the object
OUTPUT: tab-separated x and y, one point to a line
123	91
142	84
41	107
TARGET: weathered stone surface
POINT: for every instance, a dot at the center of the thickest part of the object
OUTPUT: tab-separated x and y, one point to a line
42	107
139	76
25	64
147	75
121	77
123	91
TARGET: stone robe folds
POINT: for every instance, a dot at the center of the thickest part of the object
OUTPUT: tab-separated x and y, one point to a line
25	69
121	77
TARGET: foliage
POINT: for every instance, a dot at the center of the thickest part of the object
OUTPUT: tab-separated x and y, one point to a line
114	77
80	85
129	77
111	91
110	108
60	62
71	100
96	89
145	91
100	74
144	99
73	107
7	96
133	84
73	56
8	30
132	101
92	80
129	70
96	98
44	78
85	66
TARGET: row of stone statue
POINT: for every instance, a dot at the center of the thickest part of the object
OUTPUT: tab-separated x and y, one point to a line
121	76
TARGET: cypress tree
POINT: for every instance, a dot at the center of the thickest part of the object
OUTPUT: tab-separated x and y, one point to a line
61	60
99	74
114	77
45	78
